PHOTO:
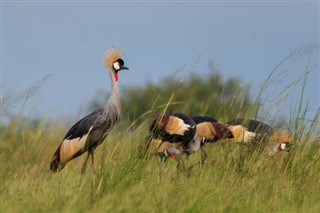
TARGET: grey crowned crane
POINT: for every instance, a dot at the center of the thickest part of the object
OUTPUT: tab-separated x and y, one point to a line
207	129
200	119
90	131
172	135
211	131
245	131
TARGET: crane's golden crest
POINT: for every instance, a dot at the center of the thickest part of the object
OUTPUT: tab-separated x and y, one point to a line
111	56
281	136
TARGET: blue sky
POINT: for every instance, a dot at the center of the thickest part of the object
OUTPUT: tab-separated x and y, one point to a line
245	39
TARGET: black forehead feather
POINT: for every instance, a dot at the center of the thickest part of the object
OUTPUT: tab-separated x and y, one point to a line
120	61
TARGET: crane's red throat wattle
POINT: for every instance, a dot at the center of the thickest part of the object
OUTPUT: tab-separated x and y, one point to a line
116	76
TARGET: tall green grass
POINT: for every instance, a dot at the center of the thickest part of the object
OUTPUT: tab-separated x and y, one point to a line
235	178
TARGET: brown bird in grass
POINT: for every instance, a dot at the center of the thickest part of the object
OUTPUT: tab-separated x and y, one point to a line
173	135
207	130
246	131
211	131
164	148
90	131
176	128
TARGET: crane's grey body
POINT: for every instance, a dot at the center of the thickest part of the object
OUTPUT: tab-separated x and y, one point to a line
90	131
97	124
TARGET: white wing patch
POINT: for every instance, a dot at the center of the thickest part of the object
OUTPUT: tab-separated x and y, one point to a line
176	126
70	147
248	136
241	134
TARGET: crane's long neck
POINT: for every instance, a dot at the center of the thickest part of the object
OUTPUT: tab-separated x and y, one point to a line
112	106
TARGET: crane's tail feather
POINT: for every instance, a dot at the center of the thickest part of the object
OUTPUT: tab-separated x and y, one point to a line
56	166
68	150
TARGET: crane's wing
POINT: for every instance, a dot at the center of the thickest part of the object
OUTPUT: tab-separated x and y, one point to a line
74	143
84	135
200	119
174	127
82	127
253	126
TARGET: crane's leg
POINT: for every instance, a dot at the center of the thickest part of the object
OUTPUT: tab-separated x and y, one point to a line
180	164
204	155
84	167
92	161
83	170
189	169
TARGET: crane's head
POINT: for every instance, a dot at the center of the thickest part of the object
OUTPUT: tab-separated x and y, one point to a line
114	62
282	139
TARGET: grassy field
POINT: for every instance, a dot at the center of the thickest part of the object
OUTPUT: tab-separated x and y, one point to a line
234	178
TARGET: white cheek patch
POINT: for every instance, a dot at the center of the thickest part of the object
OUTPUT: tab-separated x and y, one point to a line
116	66
283	146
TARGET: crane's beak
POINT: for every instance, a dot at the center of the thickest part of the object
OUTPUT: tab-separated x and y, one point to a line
124	68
